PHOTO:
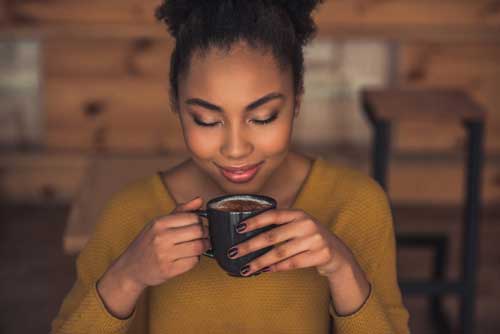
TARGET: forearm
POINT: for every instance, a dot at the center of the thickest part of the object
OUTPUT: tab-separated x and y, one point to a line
118	293
349	289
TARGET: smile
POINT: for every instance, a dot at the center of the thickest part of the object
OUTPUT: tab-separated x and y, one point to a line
240	175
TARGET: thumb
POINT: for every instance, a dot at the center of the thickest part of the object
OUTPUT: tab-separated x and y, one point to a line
193	204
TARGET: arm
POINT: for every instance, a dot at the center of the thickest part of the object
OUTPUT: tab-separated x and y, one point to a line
120	261
83	310
379	309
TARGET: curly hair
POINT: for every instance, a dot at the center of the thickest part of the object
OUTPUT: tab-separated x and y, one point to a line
282	26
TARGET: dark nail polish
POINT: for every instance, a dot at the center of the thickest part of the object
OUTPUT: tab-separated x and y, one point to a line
232	252
245	270
265	270
240	227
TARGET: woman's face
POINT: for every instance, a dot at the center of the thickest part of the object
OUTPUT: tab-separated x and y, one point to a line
237	110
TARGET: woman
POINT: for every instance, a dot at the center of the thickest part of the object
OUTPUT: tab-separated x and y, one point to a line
236	86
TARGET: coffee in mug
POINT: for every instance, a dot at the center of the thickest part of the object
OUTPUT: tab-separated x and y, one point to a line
244	204
224	213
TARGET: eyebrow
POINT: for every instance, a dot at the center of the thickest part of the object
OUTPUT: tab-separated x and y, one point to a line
254	105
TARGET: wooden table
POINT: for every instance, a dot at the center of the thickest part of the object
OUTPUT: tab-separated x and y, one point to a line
105	175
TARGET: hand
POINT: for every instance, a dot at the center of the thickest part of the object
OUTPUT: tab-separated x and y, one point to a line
166	247
304	243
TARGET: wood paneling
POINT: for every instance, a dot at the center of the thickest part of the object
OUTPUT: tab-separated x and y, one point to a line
438	182
130	113
456	18
95	58
409	13
90	11
331	14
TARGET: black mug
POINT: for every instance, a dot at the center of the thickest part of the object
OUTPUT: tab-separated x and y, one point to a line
222	228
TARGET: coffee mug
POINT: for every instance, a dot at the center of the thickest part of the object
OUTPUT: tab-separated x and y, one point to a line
224	213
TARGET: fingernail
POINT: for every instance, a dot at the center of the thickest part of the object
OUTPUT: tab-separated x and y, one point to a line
232	252
241	227
265	270
245	270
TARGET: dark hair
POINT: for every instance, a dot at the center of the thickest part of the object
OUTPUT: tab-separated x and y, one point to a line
281	26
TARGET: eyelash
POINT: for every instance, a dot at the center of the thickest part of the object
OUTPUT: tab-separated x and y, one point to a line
263	122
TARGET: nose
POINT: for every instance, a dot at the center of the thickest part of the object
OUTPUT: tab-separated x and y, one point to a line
236	145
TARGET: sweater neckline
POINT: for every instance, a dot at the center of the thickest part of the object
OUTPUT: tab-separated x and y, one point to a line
307	186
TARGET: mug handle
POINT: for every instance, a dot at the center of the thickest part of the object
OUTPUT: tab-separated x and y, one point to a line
204	213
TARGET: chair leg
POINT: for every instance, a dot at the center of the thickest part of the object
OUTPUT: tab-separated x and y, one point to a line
470	231
437	313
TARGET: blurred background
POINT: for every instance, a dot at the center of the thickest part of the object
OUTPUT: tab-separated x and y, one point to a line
84	109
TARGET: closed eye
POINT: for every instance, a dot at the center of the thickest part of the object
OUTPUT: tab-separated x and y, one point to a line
273	117
200	123
266	121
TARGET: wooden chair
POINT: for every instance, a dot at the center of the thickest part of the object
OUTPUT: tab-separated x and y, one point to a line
383	107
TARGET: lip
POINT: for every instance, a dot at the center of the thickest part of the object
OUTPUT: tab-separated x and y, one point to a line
241	174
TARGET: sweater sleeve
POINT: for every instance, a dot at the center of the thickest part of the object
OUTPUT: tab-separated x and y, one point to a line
366	225
82	310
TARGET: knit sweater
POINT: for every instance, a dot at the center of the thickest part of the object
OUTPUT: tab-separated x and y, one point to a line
207	300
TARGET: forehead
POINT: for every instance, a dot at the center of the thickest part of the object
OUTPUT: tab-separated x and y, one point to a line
238	74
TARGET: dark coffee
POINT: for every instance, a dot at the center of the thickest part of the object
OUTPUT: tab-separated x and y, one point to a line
224	213
241	205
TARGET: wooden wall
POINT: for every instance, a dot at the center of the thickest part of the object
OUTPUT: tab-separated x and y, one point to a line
105	79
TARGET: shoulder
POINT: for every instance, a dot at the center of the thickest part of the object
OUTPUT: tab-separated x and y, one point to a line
128	209
136	194
361	205
347	184
363	218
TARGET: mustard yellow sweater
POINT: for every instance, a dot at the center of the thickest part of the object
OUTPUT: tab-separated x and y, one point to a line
207	300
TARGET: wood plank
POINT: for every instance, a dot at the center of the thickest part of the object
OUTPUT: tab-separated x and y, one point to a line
118	140
93	98
438	182
405	12
125	113
409	13
139	57
90	11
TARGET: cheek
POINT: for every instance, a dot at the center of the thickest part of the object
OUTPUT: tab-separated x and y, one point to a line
201	143
275	141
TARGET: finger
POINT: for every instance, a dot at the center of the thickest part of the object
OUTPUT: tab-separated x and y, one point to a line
190	248
176	220
280	253
191	205
303	260
187	233
180	266
297	228
275	216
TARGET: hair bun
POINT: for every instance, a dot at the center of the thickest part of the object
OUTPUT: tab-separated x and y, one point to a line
175	13
300	14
